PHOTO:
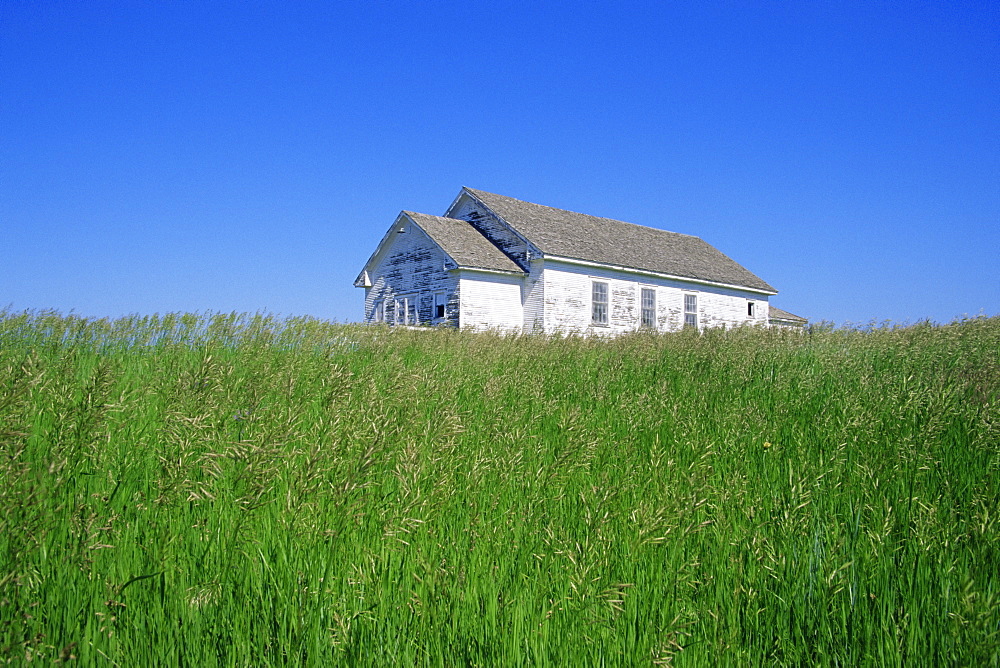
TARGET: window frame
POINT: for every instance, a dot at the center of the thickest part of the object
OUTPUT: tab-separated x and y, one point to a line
691	310
398	310
402	308
751	309
412	315
600	316
644	310
440	306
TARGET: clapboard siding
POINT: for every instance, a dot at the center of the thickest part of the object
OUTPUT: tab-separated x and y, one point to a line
568	301
412	265
533	298
490	301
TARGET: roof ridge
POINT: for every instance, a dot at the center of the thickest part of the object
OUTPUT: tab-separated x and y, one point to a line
580	213
420	213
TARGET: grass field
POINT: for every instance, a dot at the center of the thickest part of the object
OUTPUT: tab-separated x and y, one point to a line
238	490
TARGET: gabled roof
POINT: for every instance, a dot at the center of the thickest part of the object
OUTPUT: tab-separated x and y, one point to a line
463	243
775	313
613	242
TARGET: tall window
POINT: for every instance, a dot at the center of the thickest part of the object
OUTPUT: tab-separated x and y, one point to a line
404	310
600	303
750	310
648	317
411	311
691	310
399	311
378	312
439	304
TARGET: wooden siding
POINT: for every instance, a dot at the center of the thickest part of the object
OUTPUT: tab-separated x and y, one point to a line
567	290
491	301
412	265
533	298
555	296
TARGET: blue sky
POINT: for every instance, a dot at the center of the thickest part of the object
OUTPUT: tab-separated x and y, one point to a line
192	156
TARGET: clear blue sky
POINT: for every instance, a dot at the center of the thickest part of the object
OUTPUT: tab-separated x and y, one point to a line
248	156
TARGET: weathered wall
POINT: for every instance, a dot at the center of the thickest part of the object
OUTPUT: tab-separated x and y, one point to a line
494	229
412	265
567	301
533	298
491	301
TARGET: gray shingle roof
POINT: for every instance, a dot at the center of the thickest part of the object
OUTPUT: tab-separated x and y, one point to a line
775	313
607	241
464	243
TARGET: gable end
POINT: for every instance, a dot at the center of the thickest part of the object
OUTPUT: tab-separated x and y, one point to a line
492	226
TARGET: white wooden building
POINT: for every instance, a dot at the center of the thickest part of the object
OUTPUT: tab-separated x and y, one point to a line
495	262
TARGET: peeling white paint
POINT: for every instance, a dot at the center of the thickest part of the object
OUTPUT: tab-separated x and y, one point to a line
554	295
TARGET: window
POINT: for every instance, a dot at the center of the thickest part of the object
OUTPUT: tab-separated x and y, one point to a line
399	311
691	311
648	303
411	311
439	305
378	312
404	310
600	303
750	309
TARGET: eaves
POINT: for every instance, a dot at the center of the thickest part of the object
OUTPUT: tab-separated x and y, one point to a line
654	274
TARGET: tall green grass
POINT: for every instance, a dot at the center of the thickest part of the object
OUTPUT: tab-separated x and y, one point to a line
240	490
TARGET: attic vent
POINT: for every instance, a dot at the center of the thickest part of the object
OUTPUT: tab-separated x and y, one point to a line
401	229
